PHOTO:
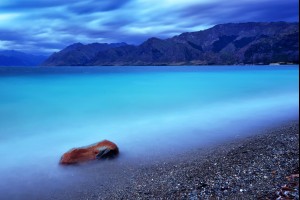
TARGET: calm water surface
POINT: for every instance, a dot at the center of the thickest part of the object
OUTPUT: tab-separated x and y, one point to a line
147	111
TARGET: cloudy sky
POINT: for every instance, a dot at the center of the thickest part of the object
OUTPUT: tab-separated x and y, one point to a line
46	26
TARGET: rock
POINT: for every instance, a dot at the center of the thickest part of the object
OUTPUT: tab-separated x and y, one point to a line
100	150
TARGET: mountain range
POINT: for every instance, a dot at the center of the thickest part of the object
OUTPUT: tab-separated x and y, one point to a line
224	44
18	58
78	54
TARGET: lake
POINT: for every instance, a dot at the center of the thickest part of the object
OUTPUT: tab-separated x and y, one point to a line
149	112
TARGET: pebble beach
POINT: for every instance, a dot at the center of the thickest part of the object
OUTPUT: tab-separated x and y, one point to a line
264	166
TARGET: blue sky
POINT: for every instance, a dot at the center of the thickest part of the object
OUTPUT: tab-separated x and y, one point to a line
46	26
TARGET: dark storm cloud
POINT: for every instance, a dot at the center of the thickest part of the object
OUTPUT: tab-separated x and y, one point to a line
224	12
91	6
50	25
32	4
10	35
116	23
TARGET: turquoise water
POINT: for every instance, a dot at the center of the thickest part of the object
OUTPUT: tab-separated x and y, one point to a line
147	111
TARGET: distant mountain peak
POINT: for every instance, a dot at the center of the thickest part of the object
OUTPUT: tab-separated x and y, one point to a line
74	46
79	54
154	39
18	58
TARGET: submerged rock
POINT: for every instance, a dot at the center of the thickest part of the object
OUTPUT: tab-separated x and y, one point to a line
100	150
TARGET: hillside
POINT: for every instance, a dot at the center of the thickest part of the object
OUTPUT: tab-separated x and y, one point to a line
78	54
225	44
17	58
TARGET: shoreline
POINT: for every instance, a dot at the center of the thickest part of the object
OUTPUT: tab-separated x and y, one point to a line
171	65
255	167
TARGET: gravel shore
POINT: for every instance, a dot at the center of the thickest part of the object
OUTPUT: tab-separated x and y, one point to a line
260	167
264	166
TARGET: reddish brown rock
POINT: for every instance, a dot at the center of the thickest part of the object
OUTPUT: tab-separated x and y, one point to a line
103	149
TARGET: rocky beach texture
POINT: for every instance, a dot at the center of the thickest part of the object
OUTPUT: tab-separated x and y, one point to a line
263	166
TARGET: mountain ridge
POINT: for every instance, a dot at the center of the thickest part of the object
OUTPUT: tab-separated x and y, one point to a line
19	58
223	44
78	54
